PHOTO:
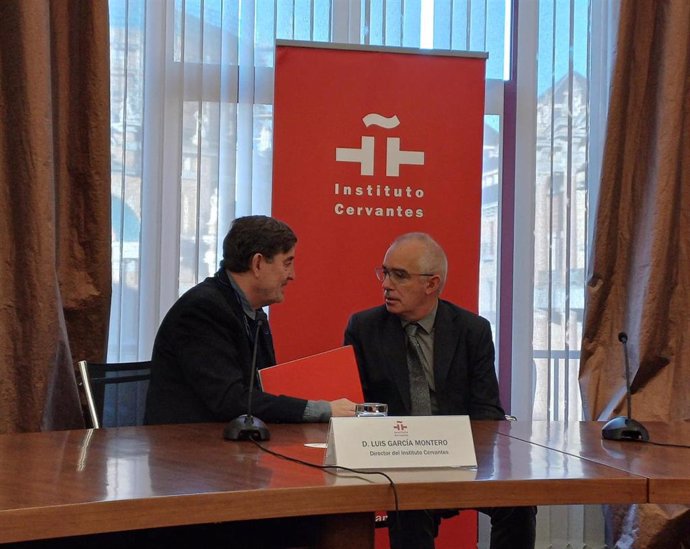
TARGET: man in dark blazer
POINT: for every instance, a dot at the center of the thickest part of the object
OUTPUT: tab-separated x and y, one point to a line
202	354
456	352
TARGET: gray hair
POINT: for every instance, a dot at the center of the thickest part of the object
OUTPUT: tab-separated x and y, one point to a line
433	258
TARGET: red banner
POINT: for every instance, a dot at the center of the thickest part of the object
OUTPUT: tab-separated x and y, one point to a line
370	144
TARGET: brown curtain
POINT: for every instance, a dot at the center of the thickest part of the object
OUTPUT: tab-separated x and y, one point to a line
54	206
640	274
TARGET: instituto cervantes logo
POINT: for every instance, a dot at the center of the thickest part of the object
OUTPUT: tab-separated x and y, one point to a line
400	429
394	156
390	194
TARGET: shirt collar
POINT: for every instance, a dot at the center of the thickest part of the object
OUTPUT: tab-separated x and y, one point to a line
426	323
246	307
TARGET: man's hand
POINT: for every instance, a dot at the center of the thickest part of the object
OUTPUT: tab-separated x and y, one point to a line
342	408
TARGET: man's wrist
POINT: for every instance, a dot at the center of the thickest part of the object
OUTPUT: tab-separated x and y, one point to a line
317	411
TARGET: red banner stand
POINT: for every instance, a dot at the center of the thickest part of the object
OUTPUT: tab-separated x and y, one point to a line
370	143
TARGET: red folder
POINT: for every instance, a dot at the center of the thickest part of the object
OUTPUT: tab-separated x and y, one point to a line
325	376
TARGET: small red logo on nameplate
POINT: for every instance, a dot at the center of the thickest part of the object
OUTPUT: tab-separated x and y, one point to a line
400	429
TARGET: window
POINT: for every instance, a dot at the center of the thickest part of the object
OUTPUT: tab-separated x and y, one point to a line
567	117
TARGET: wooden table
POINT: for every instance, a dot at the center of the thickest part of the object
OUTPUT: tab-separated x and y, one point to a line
64	483
666	468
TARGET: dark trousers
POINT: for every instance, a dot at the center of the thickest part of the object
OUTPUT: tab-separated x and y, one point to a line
511	527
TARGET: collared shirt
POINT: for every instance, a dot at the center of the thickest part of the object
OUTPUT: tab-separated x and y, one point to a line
246	307
316	410
425	336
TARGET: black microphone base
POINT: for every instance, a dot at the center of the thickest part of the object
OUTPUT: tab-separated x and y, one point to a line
246	427
623	428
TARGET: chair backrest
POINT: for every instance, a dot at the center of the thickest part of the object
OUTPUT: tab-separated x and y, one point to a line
128	381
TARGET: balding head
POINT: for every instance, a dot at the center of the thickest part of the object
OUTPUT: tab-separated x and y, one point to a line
429	255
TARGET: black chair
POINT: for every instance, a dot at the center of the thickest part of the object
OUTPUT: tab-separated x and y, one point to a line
122	385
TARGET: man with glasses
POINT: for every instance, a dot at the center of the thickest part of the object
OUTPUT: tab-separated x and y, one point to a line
423	355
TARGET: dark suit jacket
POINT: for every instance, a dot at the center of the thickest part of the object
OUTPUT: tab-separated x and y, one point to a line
464	373
202	360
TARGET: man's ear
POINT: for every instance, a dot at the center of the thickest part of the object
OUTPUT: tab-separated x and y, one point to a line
433	284
256	263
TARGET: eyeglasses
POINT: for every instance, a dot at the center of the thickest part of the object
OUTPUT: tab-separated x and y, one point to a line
396	276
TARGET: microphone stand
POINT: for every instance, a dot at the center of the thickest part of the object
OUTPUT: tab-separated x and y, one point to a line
247	426
622	427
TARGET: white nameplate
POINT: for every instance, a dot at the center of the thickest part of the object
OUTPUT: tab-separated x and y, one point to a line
400	441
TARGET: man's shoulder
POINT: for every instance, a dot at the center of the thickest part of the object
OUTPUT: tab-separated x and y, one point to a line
207	287
207	294
373	314
378	313
465	316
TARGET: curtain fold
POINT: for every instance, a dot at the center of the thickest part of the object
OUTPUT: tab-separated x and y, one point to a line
640	271
55	206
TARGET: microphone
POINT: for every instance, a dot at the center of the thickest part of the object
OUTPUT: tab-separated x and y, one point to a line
622	427
247	426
